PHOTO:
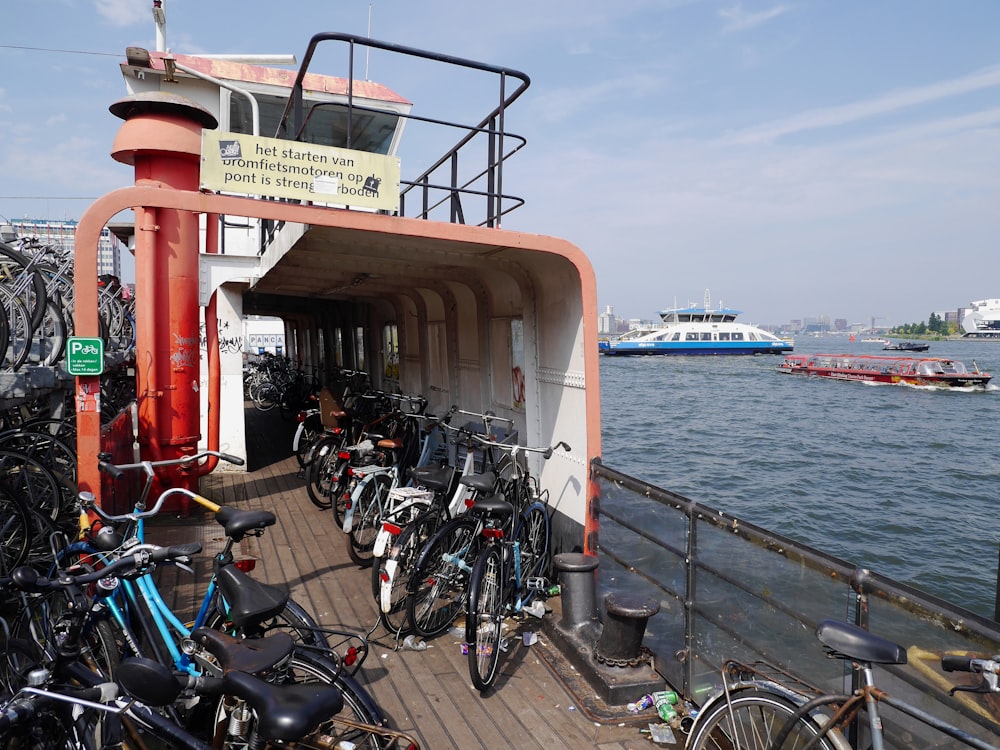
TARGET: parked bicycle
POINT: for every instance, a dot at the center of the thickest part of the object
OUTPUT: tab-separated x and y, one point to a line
509	567
760	710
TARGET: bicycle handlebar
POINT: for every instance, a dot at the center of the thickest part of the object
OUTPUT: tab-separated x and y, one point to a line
118	470
486	416
27	579
952	663
513	449
89	502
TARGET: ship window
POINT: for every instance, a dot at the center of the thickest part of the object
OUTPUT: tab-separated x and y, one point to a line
676	336
723	336
752	336
691	337
706	337
737	336
327	126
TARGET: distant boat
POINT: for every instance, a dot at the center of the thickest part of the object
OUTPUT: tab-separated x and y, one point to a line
906	346
870	368
698	330
874	341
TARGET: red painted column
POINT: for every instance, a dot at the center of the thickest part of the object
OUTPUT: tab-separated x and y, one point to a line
161	138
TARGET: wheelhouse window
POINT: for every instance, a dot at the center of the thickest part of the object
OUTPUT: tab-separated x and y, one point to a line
326	123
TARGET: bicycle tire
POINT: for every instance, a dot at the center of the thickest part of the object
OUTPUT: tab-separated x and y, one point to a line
34	294
16	531
404	554
533	534
50	336
319	472
19	329
368	519
439	586
749	720
484	624
266	397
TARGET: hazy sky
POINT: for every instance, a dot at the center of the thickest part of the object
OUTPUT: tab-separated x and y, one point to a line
799	158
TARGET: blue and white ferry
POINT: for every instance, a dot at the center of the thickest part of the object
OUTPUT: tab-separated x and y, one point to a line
698	330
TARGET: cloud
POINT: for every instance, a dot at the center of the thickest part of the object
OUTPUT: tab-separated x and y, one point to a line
738	19
866	109
124	12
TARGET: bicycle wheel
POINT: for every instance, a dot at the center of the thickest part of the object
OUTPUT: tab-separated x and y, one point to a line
750	720
439	585
484	624
266	397
390	590
533	537
16	532
320	471
19	329
50	336
368	519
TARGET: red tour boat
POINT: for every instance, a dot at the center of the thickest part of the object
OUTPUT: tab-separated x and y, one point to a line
935	371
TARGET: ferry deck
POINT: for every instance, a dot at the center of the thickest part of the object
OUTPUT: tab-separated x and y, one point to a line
536	703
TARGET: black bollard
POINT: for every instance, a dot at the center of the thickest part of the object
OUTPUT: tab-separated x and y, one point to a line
577	581
621	639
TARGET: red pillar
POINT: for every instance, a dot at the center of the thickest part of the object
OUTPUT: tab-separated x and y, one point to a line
161	138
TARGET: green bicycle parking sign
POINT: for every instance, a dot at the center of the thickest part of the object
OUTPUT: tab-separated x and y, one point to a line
84	356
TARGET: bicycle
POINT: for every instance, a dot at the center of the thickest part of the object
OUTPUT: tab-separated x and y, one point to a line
758	710
510	563
405	533
70	703
233	601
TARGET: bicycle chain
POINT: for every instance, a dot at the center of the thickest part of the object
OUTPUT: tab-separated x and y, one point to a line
645	657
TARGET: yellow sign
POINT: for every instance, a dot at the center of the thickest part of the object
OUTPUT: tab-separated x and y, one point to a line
239	163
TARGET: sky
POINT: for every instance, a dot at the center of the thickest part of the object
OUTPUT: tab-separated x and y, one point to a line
798	159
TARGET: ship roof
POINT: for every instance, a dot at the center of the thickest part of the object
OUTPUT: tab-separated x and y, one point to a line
229	70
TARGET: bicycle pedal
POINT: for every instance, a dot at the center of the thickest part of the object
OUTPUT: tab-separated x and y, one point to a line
536	583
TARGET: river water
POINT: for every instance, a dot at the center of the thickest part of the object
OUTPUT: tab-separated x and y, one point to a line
898	479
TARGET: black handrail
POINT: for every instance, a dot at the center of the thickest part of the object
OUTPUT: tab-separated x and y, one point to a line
492	125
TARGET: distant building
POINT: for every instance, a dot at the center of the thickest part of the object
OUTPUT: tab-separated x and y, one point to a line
63	234
607	323
840	324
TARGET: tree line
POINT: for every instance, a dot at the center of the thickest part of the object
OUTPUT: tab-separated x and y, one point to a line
935	325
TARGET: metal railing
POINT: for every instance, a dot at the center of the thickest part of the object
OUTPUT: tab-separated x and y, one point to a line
440	186
730	589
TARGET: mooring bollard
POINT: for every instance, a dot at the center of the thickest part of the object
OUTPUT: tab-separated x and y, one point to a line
620	643
578	583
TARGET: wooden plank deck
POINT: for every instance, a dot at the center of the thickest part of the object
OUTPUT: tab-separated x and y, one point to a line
426	693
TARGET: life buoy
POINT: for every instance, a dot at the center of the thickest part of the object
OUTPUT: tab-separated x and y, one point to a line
517	377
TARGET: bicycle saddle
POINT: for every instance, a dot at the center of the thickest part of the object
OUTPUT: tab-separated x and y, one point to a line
390	443
250	601
433	477
238	523
285	712
479	482
495	505
253	655
846	641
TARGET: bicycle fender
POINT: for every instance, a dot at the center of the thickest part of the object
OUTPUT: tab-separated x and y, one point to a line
355	497
382	542
385	589
298	435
